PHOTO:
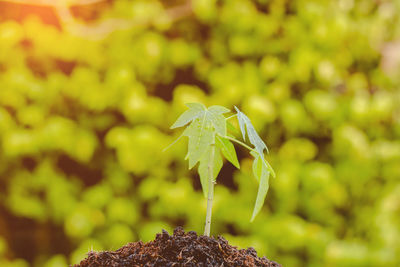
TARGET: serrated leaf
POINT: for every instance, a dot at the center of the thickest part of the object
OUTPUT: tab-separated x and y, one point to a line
201	136
228	150
203	167
195	111
214	115
218	121
269	167
242	122
254	138
262	175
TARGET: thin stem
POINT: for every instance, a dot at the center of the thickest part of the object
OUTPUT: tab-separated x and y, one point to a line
230	117
240	143
210	195
252	149
176	140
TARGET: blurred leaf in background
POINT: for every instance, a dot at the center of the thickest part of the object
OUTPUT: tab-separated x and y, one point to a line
88	90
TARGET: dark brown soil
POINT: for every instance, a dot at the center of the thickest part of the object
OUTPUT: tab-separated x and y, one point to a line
180	249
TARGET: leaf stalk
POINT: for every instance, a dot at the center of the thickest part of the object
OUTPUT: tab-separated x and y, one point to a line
230	117
240	143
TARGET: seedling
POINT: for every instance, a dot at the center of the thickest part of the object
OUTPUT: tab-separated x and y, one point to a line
208	135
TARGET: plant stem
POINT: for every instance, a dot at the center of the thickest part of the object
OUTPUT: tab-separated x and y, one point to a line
240	143
210	195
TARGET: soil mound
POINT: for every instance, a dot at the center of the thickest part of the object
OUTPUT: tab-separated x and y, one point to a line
180	249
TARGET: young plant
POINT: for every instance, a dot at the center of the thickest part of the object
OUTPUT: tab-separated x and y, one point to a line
208	138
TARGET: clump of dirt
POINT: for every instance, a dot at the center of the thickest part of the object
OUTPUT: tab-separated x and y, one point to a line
180	249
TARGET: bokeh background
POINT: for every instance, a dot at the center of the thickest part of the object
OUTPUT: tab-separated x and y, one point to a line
89	88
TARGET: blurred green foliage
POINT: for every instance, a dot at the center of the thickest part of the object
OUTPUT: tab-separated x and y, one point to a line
83	121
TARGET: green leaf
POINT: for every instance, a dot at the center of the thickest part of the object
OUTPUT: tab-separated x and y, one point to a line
269	167
218	121
228	150
205	123
261	173
195	111
266	163
218	109
242	122
214	115
203	167
201	136
254	138
257	167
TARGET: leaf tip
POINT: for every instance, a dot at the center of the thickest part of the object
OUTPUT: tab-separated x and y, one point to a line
192	163
236	164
